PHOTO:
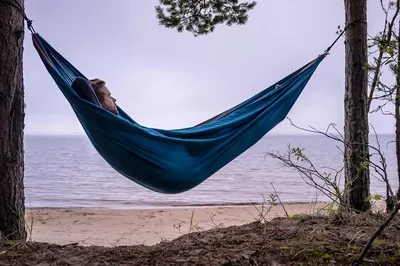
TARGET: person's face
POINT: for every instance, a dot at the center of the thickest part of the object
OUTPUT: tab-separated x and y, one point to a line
107	101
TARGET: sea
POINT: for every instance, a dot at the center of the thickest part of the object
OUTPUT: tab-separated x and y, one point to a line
66	171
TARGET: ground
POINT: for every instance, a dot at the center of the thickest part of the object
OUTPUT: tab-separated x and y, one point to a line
297	240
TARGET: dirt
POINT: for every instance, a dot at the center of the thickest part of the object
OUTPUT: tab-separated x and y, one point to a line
298	240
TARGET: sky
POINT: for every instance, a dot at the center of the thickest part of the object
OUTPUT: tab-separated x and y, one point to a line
166	79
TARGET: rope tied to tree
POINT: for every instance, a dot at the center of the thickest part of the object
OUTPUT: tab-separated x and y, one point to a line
29	23
18	6
343	31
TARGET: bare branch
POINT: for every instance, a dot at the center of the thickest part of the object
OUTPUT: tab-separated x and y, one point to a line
330	185
388	29
378	232
280	202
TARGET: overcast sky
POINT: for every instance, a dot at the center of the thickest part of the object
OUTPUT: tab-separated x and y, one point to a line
166	79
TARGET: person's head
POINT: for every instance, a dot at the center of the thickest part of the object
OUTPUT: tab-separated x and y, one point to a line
104	95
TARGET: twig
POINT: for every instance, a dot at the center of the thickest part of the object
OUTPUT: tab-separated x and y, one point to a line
220	225
381	53
280	202
311	174
377	233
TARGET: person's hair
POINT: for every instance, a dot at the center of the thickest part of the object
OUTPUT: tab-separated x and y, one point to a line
97	84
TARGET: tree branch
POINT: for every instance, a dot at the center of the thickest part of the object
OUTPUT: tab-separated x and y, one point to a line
377	233
201	16
382	49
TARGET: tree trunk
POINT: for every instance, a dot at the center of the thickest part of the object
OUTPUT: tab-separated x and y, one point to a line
397	111
356	127
12	209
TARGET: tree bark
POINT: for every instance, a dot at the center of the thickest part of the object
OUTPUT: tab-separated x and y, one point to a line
397	111
356	129
12	209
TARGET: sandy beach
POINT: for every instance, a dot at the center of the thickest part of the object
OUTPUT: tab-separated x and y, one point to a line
146	226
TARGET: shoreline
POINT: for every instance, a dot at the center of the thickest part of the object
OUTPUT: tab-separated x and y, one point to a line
180	206
114	227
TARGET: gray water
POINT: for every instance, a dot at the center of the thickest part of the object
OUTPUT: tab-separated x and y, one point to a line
66	171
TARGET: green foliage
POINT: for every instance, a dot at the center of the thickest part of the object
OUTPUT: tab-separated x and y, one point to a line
331	206
201	16
375	197
272	201
285	248
298	153
300	216
364	165
327	256
383	49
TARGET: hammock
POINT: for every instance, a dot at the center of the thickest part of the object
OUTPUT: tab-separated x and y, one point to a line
174	161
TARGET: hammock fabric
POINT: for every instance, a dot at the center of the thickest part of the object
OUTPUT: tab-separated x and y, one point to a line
174	161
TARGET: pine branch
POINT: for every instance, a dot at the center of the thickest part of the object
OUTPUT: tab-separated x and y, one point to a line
201	16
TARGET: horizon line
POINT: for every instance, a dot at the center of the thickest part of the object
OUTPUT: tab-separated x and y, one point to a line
272	134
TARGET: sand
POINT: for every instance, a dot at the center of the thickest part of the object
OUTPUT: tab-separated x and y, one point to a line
105	227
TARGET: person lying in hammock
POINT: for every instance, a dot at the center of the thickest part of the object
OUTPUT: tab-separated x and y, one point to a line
96	92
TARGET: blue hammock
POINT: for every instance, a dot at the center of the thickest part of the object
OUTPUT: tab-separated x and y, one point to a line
174	161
